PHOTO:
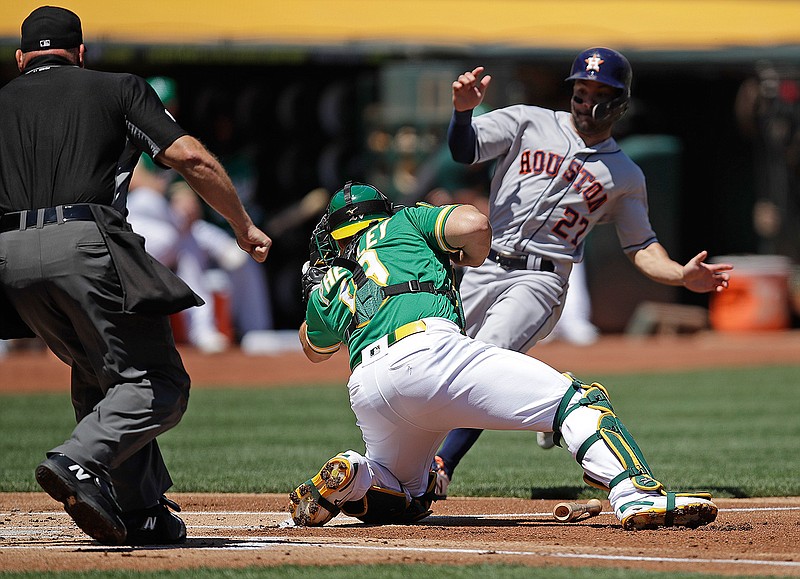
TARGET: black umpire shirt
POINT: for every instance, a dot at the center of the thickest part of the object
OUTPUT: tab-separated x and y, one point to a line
71	135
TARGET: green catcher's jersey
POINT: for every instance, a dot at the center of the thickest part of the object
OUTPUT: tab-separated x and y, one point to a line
408	246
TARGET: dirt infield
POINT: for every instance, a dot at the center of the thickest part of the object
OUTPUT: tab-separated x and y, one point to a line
750	536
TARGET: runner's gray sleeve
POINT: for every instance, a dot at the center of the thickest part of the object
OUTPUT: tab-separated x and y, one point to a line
630	214
501	130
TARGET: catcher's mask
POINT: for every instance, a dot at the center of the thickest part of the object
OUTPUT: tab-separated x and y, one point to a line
354	207
608	67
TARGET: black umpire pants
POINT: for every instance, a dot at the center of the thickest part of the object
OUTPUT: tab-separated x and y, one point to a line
128	381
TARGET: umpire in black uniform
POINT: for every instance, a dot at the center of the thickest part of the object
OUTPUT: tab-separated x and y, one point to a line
74	273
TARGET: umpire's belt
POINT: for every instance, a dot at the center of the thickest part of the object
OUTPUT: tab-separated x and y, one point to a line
377	349
521	261
19	220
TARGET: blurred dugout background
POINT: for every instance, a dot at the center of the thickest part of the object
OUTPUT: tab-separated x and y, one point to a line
324	92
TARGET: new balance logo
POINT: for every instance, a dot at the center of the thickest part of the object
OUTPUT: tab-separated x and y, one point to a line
44	43
80	474
149	524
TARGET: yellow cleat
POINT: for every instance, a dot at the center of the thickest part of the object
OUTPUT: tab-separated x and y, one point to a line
310	503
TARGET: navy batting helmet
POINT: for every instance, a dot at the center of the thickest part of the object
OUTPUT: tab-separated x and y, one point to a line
609	67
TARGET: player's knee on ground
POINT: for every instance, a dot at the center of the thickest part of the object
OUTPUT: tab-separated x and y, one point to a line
387	507
330	491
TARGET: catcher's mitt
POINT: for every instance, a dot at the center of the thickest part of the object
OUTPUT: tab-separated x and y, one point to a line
311	278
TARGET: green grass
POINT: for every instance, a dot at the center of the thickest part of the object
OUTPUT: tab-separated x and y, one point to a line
733	432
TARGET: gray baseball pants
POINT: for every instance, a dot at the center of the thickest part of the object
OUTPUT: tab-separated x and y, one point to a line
128	381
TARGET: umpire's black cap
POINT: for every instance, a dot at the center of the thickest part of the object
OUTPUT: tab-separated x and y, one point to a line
50	27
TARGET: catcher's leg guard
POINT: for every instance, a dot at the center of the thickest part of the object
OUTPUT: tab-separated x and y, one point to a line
387	507
311	503
610	430
640	501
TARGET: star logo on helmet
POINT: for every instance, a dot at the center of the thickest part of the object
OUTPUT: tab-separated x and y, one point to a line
593	63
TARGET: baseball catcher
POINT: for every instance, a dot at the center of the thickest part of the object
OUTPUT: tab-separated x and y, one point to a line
389	296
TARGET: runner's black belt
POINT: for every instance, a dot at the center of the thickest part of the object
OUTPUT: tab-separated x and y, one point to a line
520	261
20	220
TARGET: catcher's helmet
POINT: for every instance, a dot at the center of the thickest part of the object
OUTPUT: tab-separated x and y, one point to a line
608	67
354	207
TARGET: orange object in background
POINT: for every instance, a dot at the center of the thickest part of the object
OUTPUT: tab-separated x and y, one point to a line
757	297
222	317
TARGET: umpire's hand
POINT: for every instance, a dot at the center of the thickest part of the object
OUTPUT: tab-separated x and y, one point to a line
255	242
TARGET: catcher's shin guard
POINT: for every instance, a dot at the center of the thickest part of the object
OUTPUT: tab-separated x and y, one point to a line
312	504
611	431
640	501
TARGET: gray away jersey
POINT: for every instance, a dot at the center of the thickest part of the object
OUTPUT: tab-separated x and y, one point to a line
549	189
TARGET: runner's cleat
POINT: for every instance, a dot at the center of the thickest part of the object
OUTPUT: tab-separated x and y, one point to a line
442	479
545	440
